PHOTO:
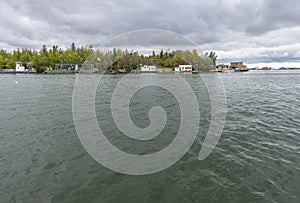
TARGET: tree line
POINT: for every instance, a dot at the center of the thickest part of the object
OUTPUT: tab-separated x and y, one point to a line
116	59
43	58
110	60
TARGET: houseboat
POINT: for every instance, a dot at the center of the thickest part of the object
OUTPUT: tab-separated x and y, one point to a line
71	68
184	68
88	68
222	68
239	66
63	68
148	69
124	71
20	69
234	67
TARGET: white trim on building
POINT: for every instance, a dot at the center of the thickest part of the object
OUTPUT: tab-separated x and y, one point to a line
184	68
19	67
148	69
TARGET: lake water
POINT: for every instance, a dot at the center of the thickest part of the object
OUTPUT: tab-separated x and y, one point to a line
257	158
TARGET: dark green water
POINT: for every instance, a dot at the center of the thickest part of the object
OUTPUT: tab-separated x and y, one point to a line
256	160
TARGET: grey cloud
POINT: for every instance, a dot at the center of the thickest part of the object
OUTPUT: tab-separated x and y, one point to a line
226	26
275	14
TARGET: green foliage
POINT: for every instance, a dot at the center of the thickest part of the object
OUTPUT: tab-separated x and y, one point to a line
212	55
112	61
108	60
43	58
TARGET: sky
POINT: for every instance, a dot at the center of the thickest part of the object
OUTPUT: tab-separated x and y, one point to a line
254	31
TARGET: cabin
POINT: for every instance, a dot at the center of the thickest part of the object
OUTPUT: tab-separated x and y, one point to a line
184	68
148	69
19	67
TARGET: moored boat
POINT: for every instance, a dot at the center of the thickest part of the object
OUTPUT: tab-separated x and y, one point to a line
88	71
228	71
72	68
241	70
148	69
7	71
184	69
61	71
124	71
20	69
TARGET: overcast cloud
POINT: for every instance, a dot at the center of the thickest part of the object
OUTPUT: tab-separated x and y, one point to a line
250	30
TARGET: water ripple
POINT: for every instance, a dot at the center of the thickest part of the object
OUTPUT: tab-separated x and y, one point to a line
256	160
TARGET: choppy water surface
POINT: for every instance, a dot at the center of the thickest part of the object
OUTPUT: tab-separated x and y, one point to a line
256	160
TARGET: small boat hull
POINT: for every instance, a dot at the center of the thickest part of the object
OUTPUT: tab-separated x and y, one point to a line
17	72
124	71
60	71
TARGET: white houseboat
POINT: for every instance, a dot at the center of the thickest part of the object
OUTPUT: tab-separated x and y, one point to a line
148	69
20	69
184	68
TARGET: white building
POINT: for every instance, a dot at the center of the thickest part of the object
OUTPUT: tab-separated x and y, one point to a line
148	69
184	68
19	67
